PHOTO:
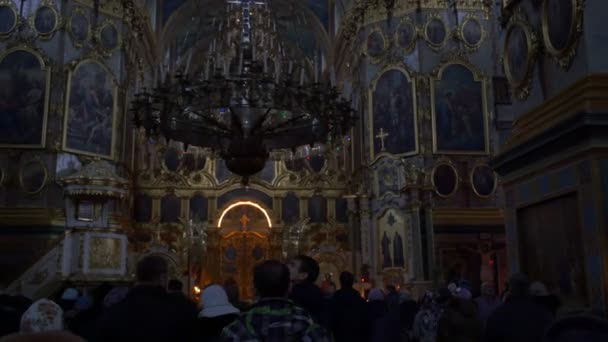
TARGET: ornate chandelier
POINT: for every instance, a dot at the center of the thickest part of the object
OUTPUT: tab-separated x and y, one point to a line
244	103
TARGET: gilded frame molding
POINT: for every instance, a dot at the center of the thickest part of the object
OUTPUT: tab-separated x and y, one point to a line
78	11
58	19
475	166
10	5
565	56
370	113
478	76
448	162
35	160
460	32
406	21
448	32
72	68
376	59
100	28
523	87
45	65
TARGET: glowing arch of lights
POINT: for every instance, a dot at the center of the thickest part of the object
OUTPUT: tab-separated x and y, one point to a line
240	203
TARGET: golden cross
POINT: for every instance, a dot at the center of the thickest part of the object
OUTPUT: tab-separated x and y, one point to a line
382	135
244	221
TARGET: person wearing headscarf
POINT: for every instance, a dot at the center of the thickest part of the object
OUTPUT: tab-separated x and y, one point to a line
217	312
426	320
460	320
381	327
43	315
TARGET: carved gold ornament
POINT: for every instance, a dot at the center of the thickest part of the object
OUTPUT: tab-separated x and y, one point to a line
564	51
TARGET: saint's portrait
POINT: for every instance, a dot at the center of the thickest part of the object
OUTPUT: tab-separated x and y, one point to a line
108	37
436	32
79	26
559	17
459	116
317	209
45	20
483	180
90	110
387	177
445	180
393	108
471	32
392	227
8	19
23	99
375	44
517	53
290	208
406	35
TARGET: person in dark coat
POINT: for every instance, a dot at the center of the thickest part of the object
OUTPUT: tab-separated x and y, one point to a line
519	319
382	327
148	313
577	329
304	271
460	322
349	312
176	290
408	308
216	314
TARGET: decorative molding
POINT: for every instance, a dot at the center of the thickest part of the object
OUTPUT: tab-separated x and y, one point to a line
468	216
521	87
564	56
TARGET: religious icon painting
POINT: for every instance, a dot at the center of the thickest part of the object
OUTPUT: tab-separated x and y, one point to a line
33	176
24	96
46	20
317	209
375	44
78	27
406	35
445	180
392	114
8	17
290	208
471	32
388	178
562	23
89	118
108	37
459	111
172	159
483	181
393	237
435	32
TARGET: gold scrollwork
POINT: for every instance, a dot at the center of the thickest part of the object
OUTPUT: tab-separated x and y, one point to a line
10	6
370	113
566	54
45	65
50	8
105	253
76	12
450	164
435	45
472	181
478	76
522	86
405	22
29	171
99	36
375	59
471	46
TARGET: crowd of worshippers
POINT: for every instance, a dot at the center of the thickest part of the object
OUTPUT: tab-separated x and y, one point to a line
289	306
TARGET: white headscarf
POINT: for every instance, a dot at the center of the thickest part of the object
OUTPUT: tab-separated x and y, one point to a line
43	315
215	302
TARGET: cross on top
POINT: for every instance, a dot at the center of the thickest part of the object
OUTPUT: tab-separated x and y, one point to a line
382	135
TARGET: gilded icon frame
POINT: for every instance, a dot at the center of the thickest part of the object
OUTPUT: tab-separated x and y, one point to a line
406	21
11	6
378	58
72	69
450	164
102	26
471	47
523	87
565	56
50	4
77	42
35	160
434	46
477	77
46	66
472	172
370	114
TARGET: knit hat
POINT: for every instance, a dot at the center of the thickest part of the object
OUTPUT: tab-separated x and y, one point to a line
215	302
43	315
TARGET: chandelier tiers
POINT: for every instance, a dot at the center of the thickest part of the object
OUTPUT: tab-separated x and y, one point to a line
246	109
